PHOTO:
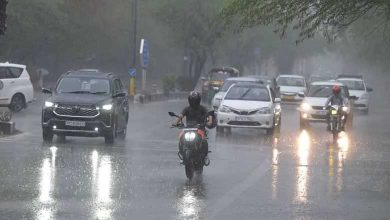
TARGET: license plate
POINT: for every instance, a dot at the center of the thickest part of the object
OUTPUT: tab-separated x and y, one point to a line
243	119
320	112
289	97
75	123
334	112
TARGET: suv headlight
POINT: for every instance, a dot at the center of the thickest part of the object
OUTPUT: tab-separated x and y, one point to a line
305	107
107	107
345	108
224	109
49	104
265	110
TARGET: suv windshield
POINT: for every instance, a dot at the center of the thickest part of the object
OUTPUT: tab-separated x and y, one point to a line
291	81
353	84
322	91
84	85
248	93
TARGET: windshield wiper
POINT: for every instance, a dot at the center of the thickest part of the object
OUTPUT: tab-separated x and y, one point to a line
245	93
79	92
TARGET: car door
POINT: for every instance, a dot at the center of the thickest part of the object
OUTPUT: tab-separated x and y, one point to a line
7	85
121	109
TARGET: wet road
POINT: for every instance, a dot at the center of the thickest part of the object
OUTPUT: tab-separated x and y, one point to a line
299	175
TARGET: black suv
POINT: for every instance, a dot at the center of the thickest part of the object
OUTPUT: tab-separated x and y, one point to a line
86	103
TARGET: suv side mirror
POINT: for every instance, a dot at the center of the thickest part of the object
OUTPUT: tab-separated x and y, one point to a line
46	91
369	89
120	94
278	100
301	94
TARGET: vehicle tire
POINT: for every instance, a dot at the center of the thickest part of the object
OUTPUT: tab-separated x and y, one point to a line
302	123
110	138
18	102
219	130
47	135
189	165
61	138
123	133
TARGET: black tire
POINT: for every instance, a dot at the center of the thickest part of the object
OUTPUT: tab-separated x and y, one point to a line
47	135
61	138
302	123
110	138
189	165
18	103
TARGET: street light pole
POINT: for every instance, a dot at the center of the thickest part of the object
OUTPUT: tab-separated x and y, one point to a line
134	48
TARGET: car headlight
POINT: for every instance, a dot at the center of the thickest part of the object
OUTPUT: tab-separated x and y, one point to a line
107	107
265	110
49	104
189	136
305	107
277	109
345	108
225	109
217	101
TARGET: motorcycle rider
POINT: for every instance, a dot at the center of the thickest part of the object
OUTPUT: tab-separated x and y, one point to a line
196	114
335	99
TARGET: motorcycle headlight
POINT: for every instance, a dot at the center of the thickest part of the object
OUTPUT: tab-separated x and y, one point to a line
49	104
224	109
345	109
305	107
107	107
189	136
265	110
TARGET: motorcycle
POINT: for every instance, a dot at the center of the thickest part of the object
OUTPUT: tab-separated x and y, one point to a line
337	120
190	141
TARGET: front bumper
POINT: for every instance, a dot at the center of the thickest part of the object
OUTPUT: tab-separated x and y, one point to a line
361	104
291	98
245	121
93	127
314	115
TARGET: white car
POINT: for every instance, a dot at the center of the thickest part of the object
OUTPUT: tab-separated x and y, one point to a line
312	106
357	87
226	85
290	87
249	105
16	89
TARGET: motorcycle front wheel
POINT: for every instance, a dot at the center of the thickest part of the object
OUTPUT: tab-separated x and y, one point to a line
189	165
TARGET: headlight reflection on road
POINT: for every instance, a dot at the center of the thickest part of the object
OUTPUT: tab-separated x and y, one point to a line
302	172
336	169
189	204
102	184
275	168
46	183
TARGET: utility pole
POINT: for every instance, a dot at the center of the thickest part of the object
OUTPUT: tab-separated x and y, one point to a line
3	16
133	52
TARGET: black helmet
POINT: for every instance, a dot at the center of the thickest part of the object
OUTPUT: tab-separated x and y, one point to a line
194	99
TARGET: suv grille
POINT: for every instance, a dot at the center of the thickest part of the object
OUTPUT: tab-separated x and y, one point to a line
76	111
238	112
318	107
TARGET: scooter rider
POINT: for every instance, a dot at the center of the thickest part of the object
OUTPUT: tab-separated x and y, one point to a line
335	99
196	114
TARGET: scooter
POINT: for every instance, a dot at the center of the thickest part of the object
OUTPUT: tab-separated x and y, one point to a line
190	141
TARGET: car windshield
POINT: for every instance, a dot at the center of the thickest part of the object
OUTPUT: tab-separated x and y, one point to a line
248	93
84	85
291	81
353	84
322	91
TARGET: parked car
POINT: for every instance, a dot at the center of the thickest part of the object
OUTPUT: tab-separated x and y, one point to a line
290	86
16	89
249	105
312	107
357	87
86	103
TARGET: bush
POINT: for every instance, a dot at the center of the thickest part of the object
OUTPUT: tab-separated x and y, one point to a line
169	84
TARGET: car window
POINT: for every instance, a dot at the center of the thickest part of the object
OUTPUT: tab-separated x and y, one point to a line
16	72
117	86
83	85
248	93
291	81
353	84
5	73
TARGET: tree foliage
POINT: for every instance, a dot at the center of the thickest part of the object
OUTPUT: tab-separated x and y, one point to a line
308	16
